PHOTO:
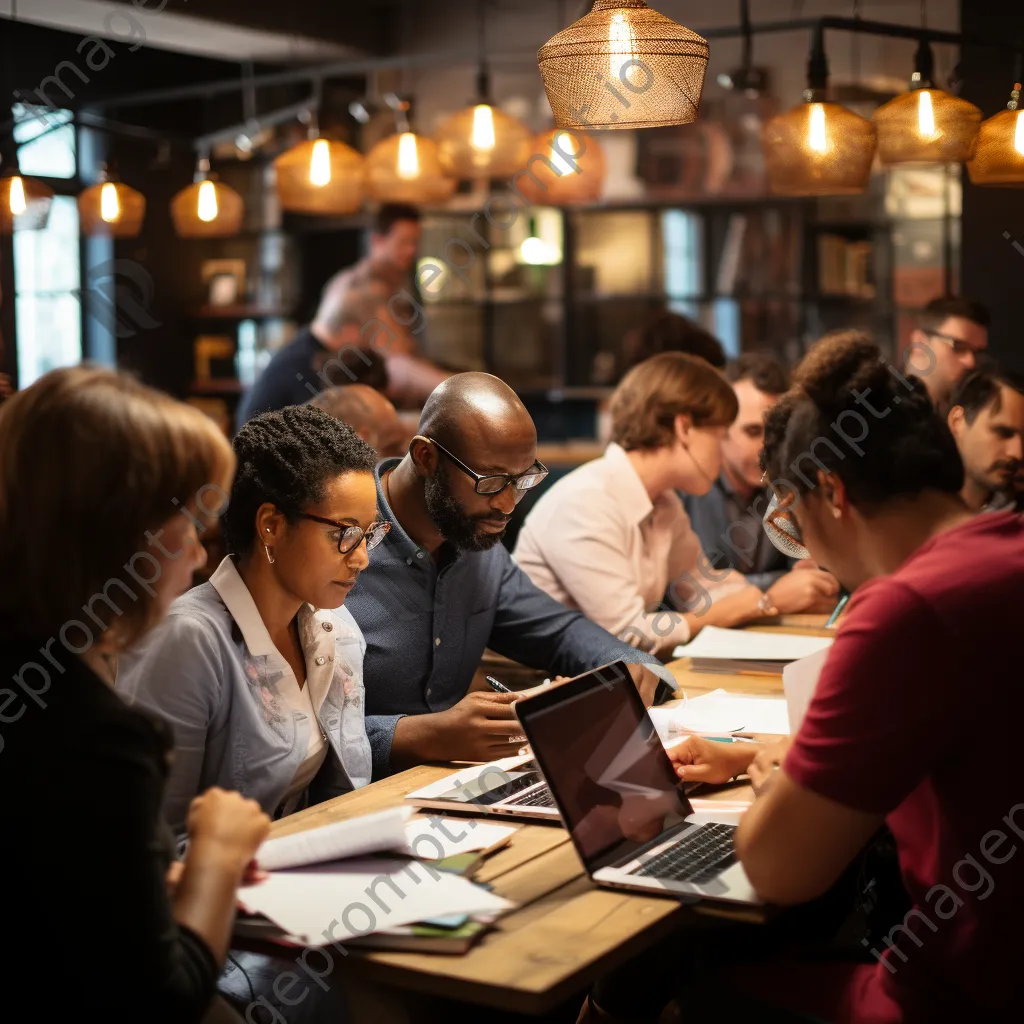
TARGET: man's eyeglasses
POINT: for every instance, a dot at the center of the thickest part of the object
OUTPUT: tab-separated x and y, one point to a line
958	345
350	537
495	483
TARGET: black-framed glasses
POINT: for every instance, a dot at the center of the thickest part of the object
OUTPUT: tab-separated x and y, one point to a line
958	345
495	483
350	537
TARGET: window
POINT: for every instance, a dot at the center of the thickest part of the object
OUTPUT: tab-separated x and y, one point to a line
47	265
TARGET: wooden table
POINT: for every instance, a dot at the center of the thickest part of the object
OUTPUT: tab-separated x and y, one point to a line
563	935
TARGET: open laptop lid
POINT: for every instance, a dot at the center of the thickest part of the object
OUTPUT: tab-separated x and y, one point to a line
604	763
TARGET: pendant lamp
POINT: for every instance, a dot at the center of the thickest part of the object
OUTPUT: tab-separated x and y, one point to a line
623	65
999	154
405	168
818	148
112	208
482	141
566	167
24	201
207	208
320	176
926	125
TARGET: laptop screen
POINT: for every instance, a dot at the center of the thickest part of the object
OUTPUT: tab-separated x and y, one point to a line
605	764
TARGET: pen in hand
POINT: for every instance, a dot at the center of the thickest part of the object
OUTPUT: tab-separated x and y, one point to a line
838	610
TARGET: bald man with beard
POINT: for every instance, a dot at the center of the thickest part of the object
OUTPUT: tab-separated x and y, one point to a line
441	588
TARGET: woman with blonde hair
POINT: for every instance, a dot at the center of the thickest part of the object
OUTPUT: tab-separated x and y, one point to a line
105	489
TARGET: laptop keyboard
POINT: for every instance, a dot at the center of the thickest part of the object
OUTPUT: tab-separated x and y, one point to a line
704	853
538	798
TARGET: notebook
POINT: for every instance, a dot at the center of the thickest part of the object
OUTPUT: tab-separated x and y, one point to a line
744	650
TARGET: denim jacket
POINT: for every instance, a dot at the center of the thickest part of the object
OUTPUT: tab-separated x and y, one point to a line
213	674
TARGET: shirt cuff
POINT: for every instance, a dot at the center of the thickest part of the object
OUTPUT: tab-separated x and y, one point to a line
380	730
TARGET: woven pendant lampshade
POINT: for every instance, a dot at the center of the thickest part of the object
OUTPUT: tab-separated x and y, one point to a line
111	208
623	66
320	176
999	154
24	203
818	148
572	169
482	142
405	168
207	208
926	125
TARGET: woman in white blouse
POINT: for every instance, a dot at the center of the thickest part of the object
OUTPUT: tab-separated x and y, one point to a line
260	670
612	538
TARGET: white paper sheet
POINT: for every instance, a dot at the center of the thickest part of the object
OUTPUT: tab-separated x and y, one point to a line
715	642
435	837
719	713
799	680
332	902
353	837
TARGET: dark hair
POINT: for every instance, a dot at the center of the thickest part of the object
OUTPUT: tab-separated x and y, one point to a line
979	389
646	403
764	370
391	213
670	332
941	309
92	461
285	458
844	393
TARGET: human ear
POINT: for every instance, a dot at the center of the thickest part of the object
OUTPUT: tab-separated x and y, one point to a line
424	455
955	420
270	523
682	427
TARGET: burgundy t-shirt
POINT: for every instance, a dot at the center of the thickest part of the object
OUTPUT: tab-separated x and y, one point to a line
917	716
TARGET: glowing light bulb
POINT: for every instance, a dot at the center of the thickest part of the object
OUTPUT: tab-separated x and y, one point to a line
483	128
320	164
1018	134
16	198
925	113
110	206
408	157
816	137
207	208
621	44
560	144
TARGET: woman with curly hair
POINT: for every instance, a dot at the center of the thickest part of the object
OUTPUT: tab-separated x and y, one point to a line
260	670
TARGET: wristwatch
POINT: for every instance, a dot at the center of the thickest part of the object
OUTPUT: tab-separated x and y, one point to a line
765	606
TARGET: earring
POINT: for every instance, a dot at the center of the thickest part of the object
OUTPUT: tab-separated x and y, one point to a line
836	512
270	557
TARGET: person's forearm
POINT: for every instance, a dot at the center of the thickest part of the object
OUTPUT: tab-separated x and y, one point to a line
414	742
733	610
206	893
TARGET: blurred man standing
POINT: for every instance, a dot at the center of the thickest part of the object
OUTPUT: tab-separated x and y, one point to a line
987	420
952	334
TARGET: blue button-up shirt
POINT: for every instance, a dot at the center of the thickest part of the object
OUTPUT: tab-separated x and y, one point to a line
426	628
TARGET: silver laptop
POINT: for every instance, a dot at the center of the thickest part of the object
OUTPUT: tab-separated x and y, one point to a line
619	796
512	786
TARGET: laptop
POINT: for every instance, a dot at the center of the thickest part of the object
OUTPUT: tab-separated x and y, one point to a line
620	798
511	787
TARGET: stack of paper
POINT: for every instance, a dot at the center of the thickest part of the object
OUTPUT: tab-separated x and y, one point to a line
747	650
719	713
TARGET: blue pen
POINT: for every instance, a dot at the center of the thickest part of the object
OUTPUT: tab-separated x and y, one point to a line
837	611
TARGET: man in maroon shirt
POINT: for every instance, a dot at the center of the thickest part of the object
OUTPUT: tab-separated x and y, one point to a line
914	715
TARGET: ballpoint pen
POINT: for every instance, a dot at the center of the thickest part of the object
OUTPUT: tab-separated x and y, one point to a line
838	610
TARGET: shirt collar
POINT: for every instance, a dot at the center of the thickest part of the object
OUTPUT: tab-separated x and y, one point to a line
229	584
397	541
629	491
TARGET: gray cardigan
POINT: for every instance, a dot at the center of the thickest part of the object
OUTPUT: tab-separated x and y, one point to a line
211	671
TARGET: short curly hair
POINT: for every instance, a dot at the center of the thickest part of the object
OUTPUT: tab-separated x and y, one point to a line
850	413
286	458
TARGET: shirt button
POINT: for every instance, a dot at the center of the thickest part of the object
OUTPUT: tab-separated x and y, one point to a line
419	554
408	561
428	691
321	660
328	626
437	641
